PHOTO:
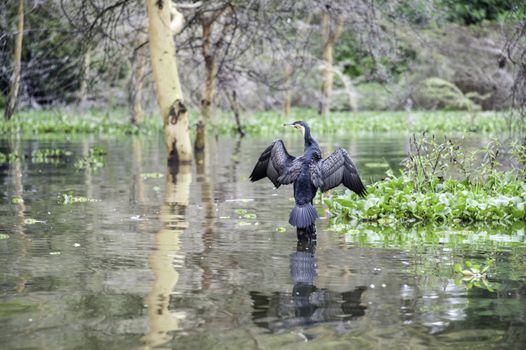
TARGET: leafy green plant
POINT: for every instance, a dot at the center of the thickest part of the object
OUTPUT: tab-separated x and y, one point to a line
94	160
50	155
70	198
7	158
441	184
147	176
474	275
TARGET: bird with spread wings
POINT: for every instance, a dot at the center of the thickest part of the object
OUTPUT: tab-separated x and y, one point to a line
308	174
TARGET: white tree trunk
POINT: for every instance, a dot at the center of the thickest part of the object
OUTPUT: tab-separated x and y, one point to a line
164	66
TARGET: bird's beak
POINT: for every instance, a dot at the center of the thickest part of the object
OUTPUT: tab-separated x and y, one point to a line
286	124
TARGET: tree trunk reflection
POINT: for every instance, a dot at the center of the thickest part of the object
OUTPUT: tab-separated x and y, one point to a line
161	319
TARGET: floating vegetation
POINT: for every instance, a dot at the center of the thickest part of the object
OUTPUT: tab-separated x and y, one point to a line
243	223
281	229
70	198
3	236
8	157
240	211
50	155
147	176
400	121
117	122
243	213
31	221
94	160
441	184
397	200
94	121
17	200
474	275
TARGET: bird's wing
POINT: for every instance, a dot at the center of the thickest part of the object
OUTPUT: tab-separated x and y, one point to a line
273	163
292	172
338	168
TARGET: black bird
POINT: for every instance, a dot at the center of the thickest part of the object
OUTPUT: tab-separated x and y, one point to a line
309	173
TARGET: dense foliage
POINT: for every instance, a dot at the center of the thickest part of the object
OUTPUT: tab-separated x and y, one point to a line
396	200
442	183
116	122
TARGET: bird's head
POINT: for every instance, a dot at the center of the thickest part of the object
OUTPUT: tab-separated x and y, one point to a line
301	126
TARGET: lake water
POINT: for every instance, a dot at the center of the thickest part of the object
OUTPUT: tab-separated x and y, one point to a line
197	260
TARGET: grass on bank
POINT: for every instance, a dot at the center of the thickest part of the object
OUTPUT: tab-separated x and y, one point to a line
115	121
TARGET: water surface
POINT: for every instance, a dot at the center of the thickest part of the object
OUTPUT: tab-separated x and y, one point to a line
197	260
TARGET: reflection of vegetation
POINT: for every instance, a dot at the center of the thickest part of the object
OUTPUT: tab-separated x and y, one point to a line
12	307
94	159
374	234
441	184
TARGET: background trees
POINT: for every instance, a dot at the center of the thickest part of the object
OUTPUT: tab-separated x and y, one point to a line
271	54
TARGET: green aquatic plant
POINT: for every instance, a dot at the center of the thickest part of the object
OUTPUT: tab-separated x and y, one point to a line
399	200
441	184
94	121
8	157
474	275
147	176
31	221
116	122
17	200
50	155
70	198
359	122
94	160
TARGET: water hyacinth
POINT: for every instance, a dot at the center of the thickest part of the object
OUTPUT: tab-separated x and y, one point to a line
499	200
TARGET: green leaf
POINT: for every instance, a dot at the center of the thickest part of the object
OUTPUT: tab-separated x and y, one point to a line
3	236
240	211
17	200
457	268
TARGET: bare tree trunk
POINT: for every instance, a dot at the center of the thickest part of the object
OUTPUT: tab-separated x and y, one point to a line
287	103
135	87
15	79
83	91
235	108
169	95
209	88
331	35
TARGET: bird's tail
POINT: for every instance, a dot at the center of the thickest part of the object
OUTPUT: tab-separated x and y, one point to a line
303	215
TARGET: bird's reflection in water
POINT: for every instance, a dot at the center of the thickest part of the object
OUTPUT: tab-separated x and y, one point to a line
308	305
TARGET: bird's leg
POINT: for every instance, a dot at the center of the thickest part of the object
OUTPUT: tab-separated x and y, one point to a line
301	234
306	233
311	230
